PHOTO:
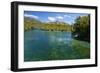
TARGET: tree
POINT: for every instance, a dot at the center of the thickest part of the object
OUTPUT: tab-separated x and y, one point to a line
81	28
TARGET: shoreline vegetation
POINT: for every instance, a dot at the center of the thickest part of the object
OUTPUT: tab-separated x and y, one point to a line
48	26
80	29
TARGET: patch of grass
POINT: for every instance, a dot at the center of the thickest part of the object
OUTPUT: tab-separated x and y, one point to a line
82	48
58	54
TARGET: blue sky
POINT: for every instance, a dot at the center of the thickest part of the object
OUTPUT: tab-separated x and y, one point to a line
53	16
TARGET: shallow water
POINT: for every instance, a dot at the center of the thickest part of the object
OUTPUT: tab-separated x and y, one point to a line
50	45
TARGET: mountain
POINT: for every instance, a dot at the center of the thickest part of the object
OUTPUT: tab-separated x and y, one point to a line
33	20
30	22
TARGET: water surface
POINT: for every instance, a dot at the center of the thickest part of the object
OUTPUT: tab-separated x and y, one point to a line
42	45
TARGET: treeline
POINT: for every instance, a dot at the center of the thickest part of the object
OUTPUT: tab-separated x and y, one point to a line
30	23
81	28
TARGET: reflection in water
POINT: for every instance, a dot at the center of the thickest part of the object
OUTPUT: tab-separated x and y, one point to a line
48	45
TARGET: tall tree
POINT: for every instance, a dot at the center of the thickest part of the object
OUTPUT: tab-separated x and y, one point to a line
81	28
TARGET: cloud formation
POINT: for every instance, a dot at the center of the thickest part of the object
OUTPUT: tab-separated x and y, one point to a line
60	17
52	19
31	16
55	18
67	16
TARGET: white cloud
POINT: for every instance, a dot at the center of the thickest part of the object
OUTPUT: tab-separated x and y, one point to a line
31	16
60	17
52	19
55	18
68	16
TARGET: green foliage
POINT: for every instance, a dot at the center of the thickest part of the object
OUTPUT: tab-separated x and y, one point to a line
30	23
82	48
81	28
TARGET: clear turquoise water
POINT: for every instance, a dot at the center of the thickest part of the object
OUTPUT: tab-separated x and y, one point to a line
52	45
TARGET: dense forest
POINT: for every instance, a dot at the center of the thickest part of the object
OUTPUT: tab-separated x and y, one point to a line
81	28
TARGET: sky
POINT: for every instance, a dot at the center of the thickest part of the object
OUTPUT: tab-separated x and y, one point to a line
54	16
